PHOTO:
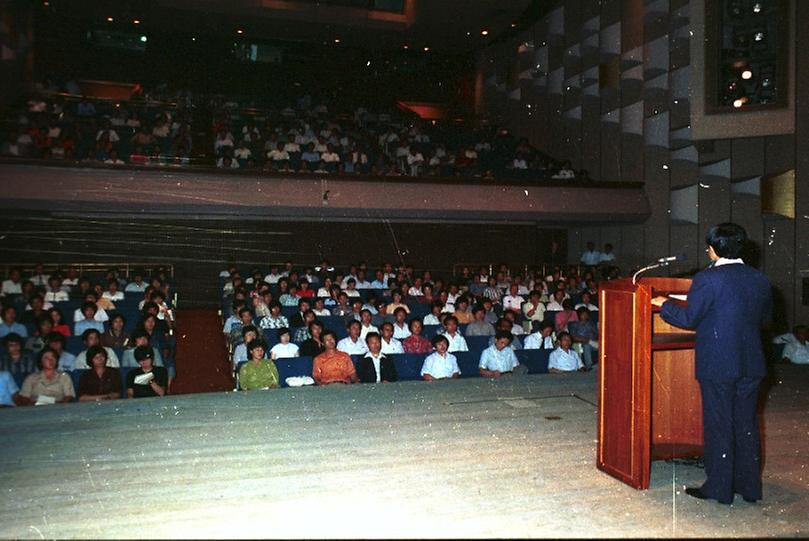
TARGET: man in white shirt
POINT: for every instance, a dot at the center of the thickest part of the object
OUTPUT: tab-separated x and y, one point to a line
513	301
390	345
12	286
440	364
564	358
796	348
55	291
456	341
401	329
533	309
352	344
586	302
591	257
365	320
555	304
39	278
607	256
137	285
544	338
415	161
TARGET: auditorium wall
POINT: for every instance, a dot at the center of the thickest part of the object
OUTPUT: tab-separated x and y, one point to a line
610	85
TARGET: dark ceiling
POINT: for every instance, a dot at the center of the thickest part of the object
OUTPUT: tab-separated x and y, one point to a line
444	26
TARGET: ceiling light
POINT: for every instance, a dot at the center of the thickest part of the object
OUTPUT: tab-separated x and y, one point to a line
405	47
240	31
747	74
738	103
336	40
426	49
193	39
484	33
110	19
513	25
757	7
136	21
144	39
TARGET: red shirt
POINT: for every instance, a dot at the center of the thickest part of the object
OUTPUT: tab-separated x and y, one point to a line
416	344
306	293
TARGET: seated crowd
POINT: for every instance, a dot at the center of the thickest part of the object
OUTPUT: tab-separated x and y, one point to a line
69	336
350	324
311	138
59	123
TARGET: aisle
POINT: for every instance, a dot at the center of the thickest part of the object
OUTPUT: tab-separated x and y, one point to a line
201	362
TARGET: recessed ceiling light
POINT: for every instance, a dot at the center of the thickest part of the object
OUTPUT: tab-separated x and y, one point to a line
110	19
136	21
513	25
336	40
738	103
426	49
240	31
484	33
747	74
144	39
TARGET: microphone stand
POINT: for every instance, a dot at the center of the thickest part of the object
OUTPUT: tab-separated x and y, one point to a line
650	267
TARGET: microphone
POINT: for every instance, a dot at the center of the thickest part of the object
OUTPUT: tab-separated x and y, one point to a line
662	262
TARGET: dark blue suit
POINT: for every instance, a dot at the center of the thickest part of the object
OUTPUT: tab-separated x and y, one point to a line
727	305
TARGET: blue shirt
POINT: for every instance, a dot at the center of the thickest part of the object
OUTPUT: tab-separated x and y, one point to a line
501	360
84	324
67	362
13	328
440	367
8	388
310	157
376	284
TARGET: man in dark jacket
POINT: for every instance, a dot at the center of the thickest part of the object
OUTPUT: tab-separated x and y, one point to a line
728	303
375	367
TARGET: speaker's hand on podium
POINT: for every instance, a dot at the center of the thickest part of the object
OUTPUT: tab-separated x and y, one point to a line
658	301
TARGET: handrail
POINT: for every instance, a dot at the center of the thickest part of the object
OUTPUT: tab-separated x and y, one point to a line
126	268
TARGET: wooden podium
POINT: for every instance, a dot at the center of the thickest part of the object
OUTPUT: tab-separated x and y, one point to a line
649	402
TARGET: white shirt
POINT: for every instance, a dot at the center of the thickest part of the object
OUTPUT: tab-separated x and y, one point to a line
415	292
365	330
539	311
400	332
431	319
330	157
112	360
56	296
393	347
591	257
724	261
553	305
607	256
284	351
591	307
537	341
440	367
456	343
40	279
101	315
322	313
377	360
565	360
11	288
117	296
796	352
273	278
512	302
347	345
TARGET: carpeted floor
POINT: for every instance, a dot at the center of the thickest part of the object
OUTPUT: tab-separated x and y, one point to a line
467	458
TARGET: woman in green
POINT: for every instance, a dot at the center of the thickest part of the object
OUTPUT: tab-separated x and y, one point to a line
258	372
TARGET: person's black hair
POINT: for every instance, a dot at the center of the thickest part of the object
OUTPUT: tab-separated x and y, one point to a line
86	334
316	322
306	300
372	334
249	328
54	336
149	305
567	304
438	338
92	352
477	308
117	316
581	309
562	335
451	317
410	323
158	293
274	304
353	321
143	352
243	310
138	333
365	310
257	343
87	305
42	354
12	337
282	331
328	332
727	239
503	334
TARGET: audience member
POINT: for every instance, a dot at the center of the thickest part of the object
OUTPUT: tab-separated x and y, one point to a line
352	344
149	380
100	382
416	343
15	359
48	385
796	345
259	372
440	364
499	359
284	349
375	367
333	365
564	358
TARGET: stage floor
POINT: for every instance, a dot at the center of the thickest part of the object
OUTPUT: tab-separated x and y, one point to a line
471	458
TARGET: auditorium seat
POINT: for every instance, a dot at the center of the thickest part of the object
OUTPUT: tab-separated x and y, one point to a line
468	362
74	345
430	331
293	367
536	360
408	365
477	343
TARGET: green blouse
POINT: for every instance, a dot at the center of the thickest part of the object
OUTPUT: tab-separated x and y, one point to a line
257	376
